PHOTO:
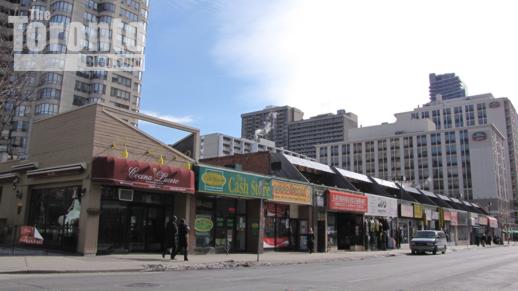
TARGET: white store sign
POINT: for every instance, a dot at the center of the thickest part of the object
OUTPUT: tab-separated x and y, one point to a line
428	213
407	210
381	206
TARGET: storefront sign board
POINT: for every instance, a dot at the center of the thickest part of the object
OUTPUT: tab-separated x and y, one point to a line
141	175
407	210
288	192
29	235
343	201
493	222
381	206
233	183
447	215
454	218
428	214
418	210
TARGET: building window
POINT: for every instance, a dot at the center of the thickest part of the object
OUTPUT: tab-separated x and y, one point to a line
51	78
115	92
80	100
346	157
470	115
50	93
447	118
55	212
482	115
46	109
459	119
121	80
436	118
61	6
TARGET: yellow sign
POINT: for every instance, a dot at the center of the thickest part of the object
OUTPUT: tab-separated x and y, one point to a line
418	210
291	192
214	179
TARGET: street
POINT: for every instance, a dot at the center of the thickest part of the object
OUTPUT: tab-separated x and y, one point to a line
472	269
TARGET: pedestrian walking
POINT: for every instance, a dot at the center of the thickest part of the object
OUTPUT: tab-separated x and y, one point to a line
399	236
311	240
483	239
171	231
183	238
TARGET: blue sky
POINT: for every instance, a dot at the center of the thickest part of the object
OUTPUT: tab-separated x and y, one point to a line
208	61
182	81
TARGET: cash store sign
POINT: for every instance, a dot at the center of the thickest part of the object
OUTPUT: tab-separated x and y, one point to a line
220	181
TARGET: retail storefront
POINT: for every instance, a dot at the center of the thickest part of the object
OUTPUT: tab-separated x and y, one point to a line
288	216
55	212
320	214
406	225
447	223
462	227
380	223
474	227
228	209
345	220
431	217
137	198
493	227
419	216
93	183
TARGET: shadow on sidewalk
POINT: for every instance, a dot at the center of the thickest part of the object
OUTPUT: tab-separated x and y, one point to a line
23	252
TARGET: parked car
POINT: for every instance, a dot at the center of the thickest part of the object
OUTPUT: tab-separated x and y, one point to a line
428	241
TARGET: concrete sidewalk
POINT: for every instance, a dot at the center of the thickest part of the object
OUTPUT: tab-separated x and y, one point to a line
154	262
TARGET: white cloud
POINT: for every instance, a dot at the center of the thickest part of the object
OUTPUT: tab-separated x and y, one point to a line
370	57
177	119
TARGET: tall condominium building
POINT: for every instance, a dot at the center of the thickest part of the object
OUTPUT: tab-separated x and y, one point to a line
270	123
220	145
60	91
464	147
303	135
448	86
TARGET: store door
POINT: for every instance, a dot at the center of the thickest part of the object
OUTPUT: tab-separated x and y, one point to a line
240	237
113	228
137	233
322	236
146	228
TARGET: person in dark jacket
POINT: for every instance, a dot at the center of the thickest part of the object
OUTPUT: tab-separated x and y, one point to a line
171	231
183	238
311	240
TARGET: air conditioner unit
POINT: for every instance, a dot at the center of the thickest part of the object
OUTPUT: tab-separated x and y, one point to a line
126	195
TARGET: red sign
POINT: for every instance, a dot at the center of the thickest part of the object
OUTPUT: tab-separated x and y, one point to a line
447	216
143	175
454	218
29	235
343	201
493	222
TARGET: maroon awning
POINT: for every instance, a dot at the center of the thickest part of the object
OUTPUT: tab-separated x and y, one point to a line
141	175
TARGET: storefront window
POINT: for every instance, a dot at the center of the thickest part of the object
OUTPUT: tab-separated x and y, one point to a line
331	231
278	228
136	225
55	213
220	224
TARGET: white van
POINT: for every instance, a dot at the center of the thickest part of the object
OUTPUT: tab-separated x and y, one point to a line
428	241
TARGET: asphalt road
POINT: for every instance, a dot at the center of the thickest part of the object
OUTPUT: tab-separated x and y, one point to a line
473	269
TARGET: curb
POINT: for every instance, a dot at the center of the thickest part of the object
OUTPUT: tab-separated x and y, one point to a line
224	265
27	272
